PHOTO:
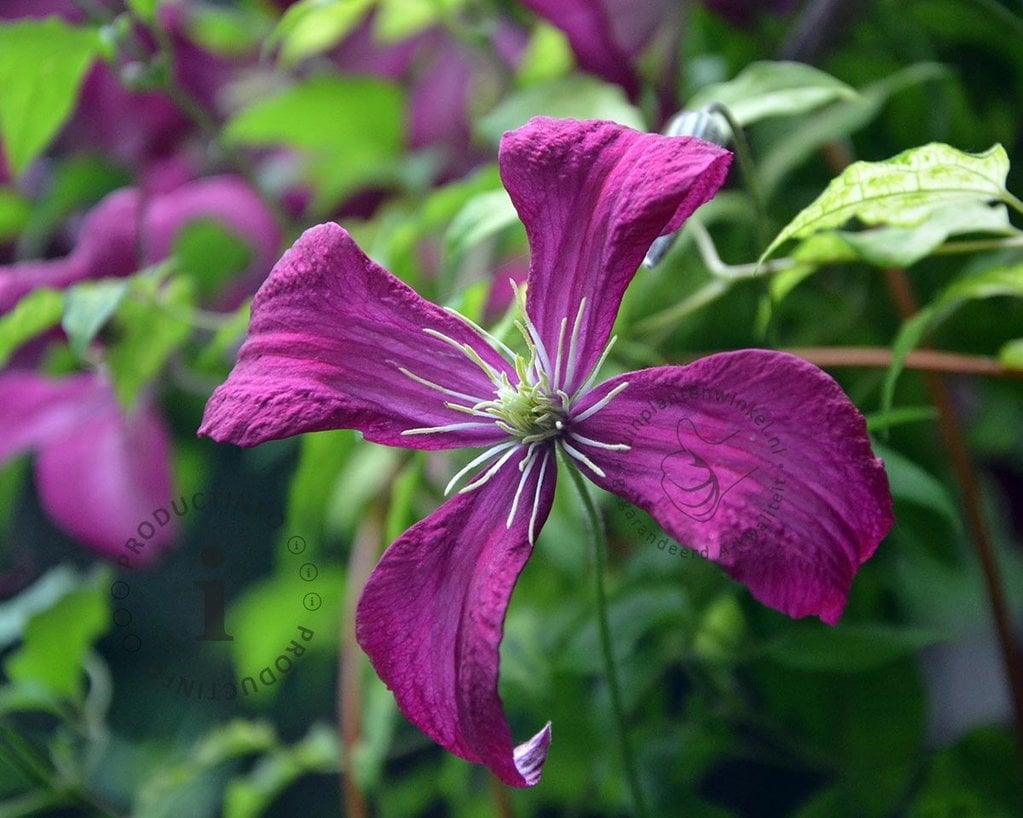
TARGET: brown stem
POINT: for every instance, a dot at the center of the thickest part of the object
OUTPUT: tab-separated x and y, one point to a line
951	430
926	360
365	549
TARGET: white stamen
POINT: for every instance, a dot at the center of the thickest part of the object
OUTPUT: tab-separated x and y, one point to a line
491	452
588	441
601	403
578	455
596	369
479	481
466	350
526	467
573	346
536	497
438	387
482	333
557	359
451	427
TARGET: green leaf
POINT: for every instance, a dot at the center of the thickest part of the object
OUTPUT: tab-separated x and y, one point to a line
57	639
87	307
249	796
904	246
314	26
548	55
42	65
211	253
483	216
350	130
146	9
14	213
578	96
1006	280
398	20
1011	355
151	324
231	31
219	353
769	89
37	312
903	191
847	648
911	483
41	595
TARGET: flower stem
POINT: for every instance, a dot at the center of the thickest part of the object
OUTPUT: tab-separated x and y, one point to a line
610	667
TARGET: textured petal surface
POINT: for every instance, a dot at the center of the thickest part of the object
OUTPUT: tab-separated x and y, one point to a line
329	333
98	472
593	197
756	459
431	619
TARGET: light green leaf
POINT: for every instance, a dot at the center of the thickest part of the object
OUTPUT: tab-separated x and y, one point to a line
41	595
577	96
548	55
153	322
37	312
210	253
904	246
219	353
14	213
903	191
57	639
1011	355
42	65
769	89
797	141
483	216
398	20
87	307
314	26
349	128
146	9
232	30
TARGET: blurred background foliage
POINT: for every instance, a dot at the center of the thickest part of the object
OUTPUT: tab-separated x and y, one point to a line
386	115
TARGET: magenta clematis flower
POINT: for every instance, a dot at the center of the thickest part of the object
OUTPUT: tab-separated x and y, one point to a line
97	469
756	458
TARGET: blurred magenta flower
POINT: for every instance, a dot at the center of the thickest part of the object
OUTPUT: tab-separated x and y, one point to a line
754	457
98	471
608	35
127	231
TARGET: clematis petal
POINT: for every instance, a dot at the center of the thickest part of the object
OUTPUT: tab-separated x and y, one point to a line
98	471
431	617
758	460
329	336
593	197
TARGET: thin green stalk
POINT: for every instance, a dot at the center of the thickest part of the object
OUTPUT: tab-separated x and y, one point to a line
610	667
745	156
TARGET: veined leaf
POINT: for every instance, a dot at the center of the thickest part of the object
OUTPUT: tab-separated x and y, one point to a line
768	89
903	191
42	65
904	246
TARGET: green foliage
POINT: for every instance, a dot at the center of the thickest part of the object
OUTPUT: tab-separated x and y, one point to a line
37	312
57	638
350	130
87	308
35	103
312	26
773	89
904	191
